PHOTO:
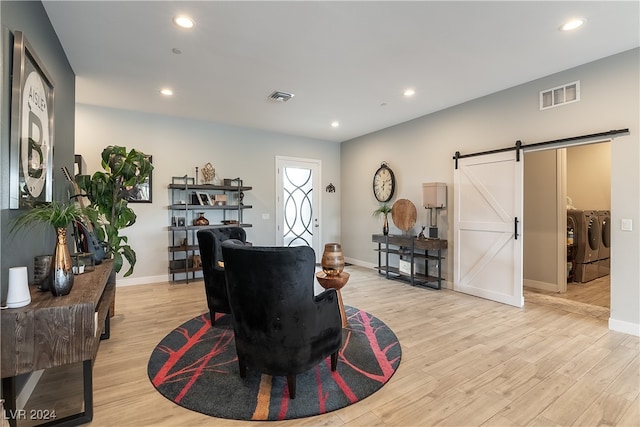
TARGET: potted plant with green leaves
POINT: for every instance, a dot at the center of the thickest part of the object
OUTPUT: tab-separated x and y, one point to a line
106	191
59	215
384	210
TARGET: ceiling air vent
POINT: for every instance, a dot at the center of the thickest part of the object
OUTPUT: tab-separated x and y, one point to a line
279	96
560	95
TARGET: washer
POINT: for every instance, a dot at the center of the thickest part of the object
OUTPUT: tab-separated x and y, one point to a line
587	237
604	253
604	217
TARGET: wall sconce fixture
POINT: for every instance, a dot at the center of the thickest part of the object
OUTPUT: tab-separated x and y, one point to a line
330	188
434	197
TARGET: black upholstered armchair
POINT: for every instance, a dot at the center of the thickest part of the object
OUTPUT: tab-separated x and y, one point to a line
210	243
280	327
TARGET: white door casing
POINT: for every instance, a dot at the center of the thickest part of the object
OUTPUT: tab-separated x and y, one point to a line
488	206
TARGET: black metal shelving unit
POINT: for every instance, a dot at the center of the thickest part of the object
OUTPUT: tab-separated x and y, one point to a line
183	241
412	249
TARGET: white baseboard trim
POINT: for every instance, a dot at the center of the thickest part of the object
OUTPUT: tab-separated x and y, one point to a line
27	389
545	286
142	280
624	327
360	263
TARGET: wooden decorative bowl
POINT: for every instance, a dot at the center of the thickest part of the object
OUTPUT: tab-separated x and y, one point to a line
404	214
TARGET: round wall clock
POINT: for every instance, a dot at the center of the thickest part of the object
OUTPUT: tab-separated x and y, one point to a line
384	183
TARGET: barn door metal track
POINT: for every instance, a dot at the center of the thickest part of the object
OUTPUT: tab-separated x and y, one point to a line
519	145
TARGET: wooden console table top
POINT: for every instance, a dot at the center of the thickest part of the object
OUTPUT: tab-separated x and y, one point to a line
402	240
53	331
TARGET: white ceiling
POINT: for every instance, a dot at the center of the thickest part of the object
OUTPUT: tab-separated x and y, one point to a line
345	61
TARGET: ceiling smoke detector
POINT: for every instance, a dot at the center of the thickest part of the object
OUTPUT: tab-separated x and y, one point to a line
279	96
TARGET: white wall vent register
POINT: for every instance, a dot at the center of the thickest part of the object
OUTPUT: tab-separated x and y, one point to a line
560	95
280	96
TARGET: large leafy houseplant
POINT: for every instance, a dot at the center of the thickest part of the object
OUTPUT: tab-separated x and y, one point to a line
106	191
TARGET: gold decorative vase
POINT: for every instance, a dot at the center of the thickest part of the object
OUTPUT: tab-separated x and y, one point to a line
201	220
60	278
332	259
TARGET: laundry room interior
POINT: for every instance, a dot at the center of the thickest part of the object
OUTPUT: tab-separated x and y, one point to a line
567	204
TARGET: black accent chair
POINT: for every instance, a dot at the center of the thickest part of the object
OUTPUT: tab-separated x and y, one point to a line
281	328
210	243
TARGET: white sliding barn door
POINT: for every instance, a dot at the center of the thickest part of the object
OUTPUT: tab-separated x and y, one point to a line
488	192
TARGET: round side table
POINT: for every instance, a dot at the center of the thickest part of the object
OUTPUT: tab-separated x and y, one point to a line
336	282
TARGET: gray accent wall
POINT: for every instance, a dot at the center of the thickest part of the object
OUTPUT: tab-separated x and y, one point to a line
421	151
30	18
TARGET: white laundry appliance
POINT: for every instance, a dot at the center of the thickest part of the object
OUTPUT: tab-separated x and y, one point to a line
604	251
587	237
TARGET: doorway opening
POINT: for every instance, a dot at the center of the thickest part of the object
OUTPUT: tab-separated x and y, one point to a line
567	245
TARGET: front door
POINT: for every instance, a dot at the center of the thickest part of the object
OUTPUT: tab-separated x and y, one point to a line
487	227
297	210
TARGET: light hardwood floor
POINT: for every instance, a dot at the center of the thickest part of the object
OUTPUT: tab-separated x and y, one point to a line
466	361
595	292
592	298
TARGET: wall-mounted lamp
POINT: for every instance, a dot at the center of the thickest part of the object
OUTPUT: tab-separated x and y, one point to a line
330	188
434	197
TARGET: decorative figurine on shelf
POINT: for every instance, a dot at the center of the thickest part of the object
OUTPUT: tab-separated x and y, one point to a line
421	235
201	220
197	261
208	173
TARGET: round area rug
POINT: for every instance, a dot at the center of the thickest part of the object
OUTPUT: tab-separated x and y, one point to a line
196	367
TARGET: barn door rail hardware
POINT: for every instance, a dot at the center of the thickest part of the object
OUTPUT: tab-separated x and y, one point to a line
519	146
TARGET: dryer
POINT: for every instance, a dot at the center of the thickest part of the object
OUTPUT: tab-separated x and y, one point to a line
587	238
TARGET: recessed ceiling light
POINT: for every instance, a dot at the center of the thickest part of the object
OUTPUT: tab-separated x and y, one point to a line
335	124
166	92
409	92
183	21
573	24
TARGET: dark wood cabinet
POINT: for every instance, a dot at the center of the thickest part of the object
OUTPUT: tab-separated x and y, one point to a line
407	252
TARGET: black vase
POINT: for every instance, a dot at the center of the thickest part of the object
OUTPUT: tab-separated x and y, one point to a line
385	226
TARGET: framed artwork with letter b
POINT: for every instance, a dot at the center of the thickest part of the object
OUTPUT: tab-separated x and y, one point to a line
32	122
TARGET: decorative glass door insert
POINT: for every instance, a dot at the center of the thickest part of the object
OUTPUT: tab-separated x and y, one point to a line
298	202
298	206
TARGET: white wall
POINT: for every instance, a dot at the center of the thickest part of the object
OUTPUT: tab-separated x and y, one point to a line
178	146
540	246
589	176
421	151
